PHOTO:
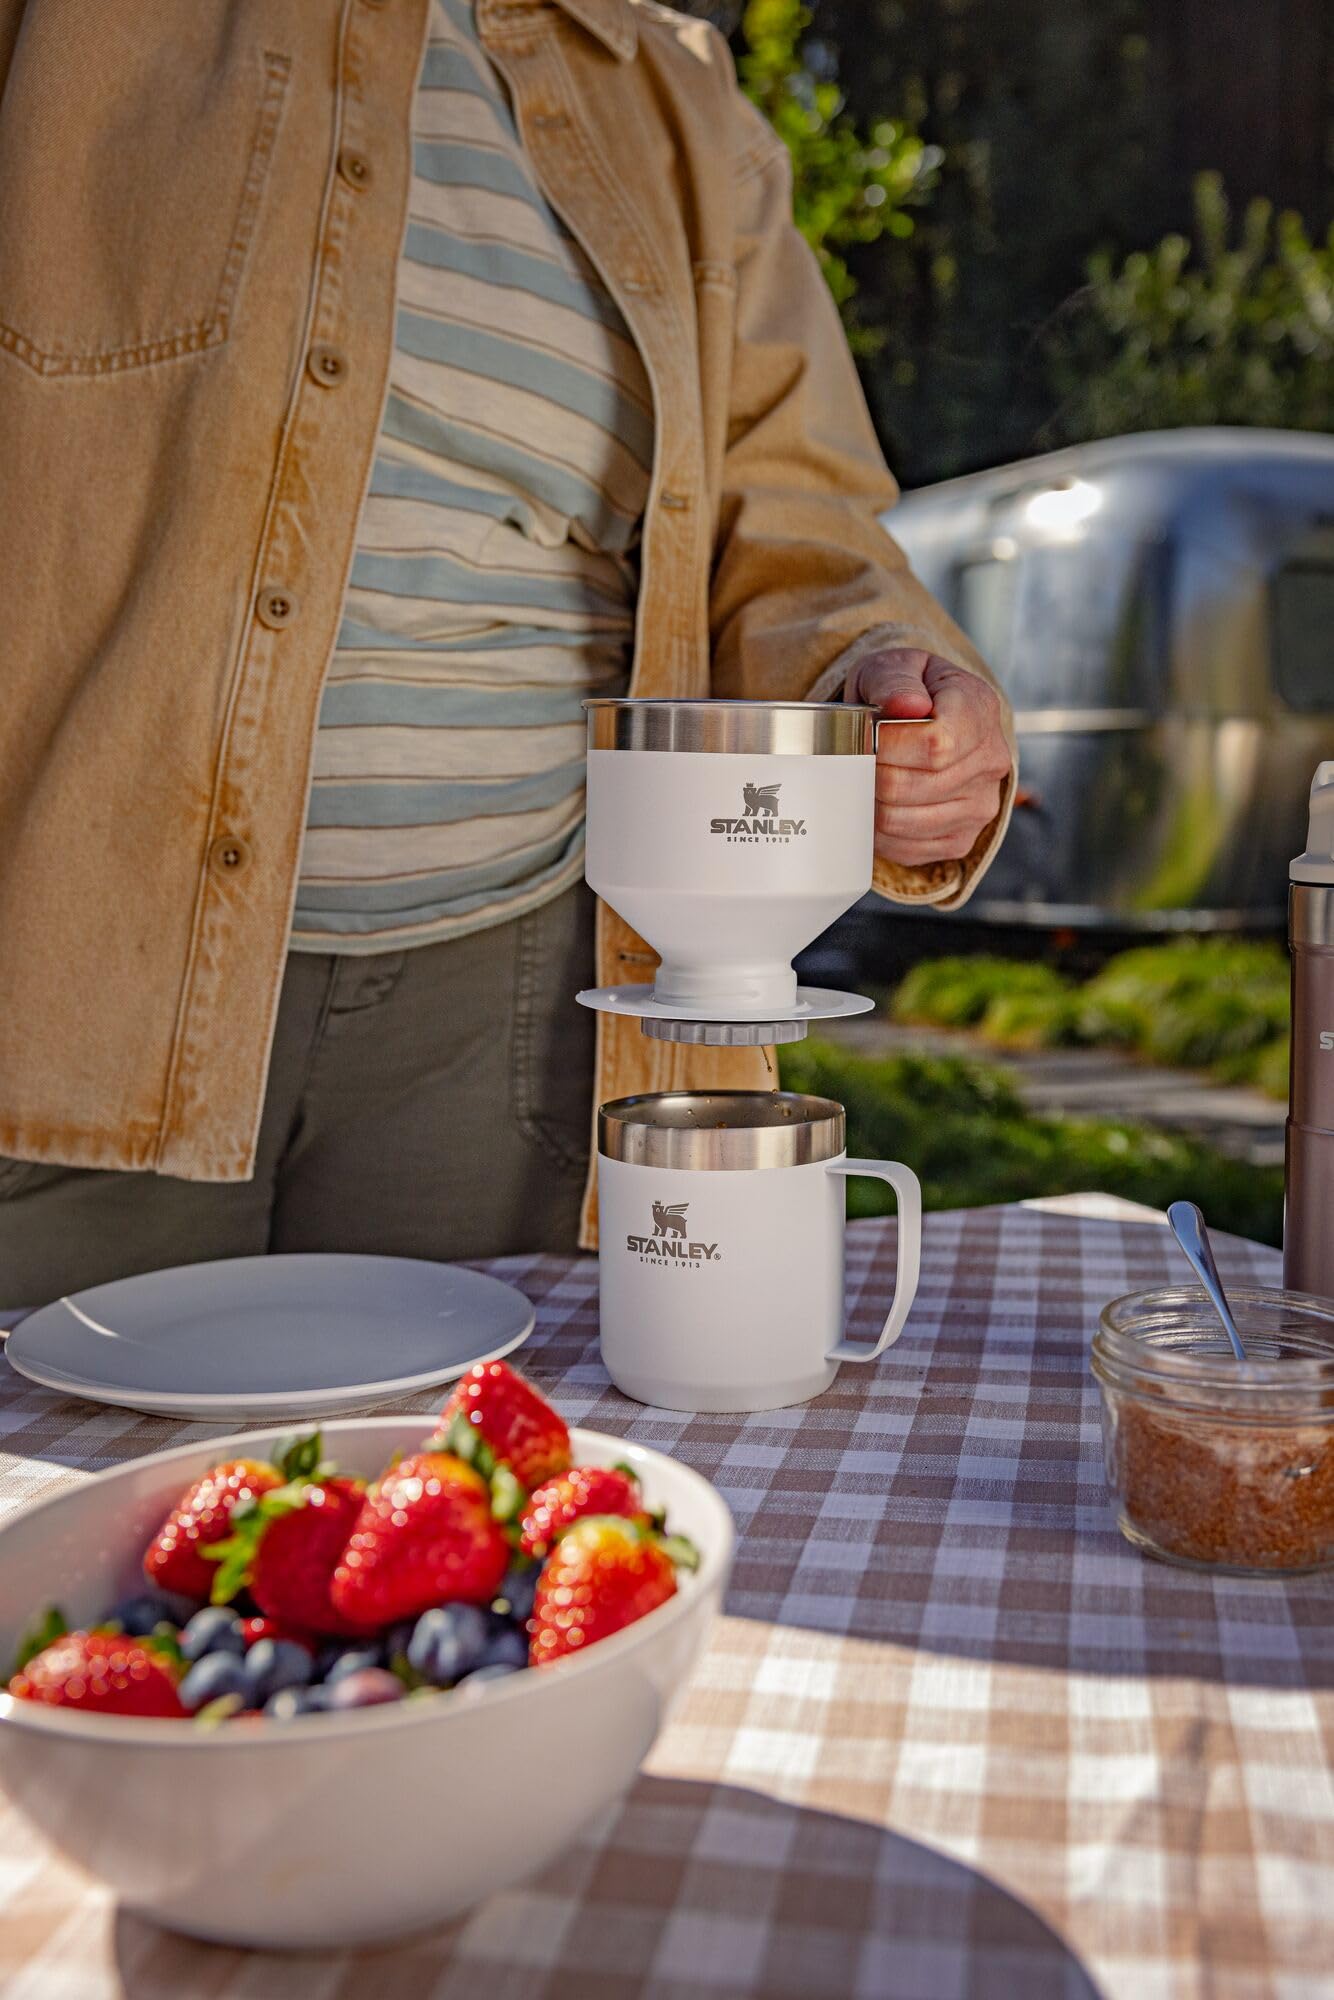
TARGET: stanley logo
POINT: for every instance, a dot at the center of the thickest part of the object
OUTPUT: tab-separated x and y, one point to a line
759	817
668	1244
1327	1039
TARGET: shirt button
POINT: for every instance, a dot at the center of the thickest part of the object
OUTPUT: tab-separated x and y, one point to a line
229	854
326	365
275	608
355	168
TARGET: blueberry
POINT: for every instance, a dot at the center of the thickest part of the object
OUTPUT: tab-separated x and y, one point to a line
353	1661
138	1615
518	1589
367	1689
272	1664
448	1643
368	1652
216	1629
290	1702
216	1674
495	1670
507	1647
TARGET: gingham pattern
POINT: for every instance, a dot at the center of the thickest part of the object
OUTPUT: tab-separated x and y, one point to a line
954	1740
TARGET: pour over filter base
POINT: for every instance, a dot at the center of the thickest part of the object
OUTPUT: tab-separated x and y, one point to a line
812	1003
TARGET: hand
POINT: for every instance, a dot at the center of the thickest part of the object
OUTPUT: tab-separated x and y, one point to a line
937	787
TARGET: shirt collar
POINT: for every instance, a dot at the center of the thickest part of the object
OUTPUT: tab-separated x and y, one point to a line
612	22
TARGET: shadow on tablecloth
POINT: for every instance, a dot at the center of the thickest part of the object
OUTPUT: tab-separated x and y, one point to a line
685	1892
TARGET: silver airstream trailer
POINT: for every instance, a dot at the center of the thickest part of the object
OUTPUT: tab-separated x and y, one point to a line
1160	610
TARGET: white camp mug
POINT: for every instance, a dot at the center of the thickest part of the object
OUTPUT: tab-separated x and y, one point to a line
721	1261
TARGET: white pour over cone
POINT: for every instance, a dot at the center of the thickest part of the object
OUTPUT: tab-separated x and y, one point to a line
729	835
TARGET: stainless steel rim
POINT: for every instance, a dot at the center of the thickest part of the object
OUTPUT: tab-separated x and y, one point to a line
721	1130
736	728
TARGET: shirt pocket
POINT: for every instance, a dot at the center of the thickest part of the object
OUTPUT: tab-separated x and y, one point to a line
133	162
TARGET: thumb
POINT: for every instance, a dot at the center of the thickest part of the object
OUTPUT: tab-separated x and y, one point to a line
893	682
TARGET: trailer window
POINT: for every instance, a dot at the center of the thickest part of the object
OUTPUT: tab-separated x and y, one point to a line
986	609
1304	636
1075	628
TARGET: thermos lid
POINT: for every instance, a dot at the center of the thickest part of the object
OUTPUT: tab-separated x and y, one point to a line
708	1130
1317	864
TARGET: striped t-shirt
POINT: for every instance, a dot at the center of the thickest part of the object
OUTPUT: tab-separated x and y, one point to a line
494	579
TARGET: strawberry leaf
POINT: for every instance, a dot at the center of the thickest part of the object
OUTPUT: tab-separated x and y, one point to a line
302	1460
164	1642
508	1497
627	1471
43	1632
465	1441
681	1550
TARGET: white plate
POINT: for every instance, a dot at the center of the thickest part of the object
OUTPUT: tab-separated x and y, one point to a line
270	1337
813	1003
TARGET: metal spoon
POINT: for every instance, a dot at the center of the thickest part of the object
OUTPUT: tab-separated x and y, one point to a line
1188	1228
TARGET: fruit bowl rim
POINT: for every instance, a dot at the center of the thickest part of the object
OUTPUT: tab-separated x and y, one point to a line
163	1732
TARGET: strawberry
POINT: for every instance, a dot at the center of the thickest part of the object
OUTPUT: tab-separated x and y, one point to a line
604	1573
284	1547
426	1536
583	1490
255	1629
200	1518
102	1673
494	1419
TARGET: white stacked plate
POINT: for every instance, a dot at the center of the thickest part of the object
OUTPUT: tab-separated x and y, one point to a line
264	1339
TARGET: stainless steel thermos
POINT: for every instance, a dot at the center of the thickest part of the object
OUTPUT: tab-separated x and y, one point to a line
1308	1230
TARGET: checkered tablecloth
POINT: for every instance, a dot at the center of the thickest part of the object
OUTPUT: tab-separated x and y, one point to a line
954	1739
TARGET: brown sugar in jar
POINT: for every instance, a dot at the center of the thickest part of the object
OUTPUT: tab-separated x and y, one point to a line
1215	1463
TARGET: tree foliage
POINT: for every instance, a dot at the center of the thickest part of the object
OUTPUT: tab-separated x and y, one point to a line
852	184
1202	331
958	163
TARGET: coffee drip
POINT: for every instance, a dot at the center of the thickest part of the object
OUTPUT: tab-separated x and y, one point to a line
729	834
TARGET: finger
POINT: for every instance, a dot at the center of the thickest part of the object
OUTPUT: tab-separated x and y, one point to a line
893	682
981	800
946	830
965	711
922	853
985	766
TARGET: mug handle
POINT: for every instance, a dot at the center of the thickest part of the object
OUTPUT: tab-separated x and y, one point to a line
908	1191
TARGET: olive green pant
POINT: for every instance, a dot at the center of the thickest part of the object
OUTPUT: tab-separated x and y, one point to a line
427	1103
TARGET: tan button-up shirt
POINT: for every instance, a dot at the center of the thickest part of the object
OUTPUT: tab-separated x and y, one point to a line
200	221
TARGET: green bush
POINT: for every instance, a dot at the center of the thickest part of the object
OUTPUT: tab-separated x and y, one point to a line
1212	1003
963	1130
1030	1020
1202	332
956	992
1264	1068
1201	1001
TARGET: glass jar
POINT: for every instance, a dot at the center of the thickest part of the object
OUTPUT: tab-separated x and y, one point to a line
1219	1464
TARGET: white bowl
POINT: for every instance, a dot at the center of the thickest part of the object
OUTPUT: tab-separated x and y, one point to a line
338	1829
